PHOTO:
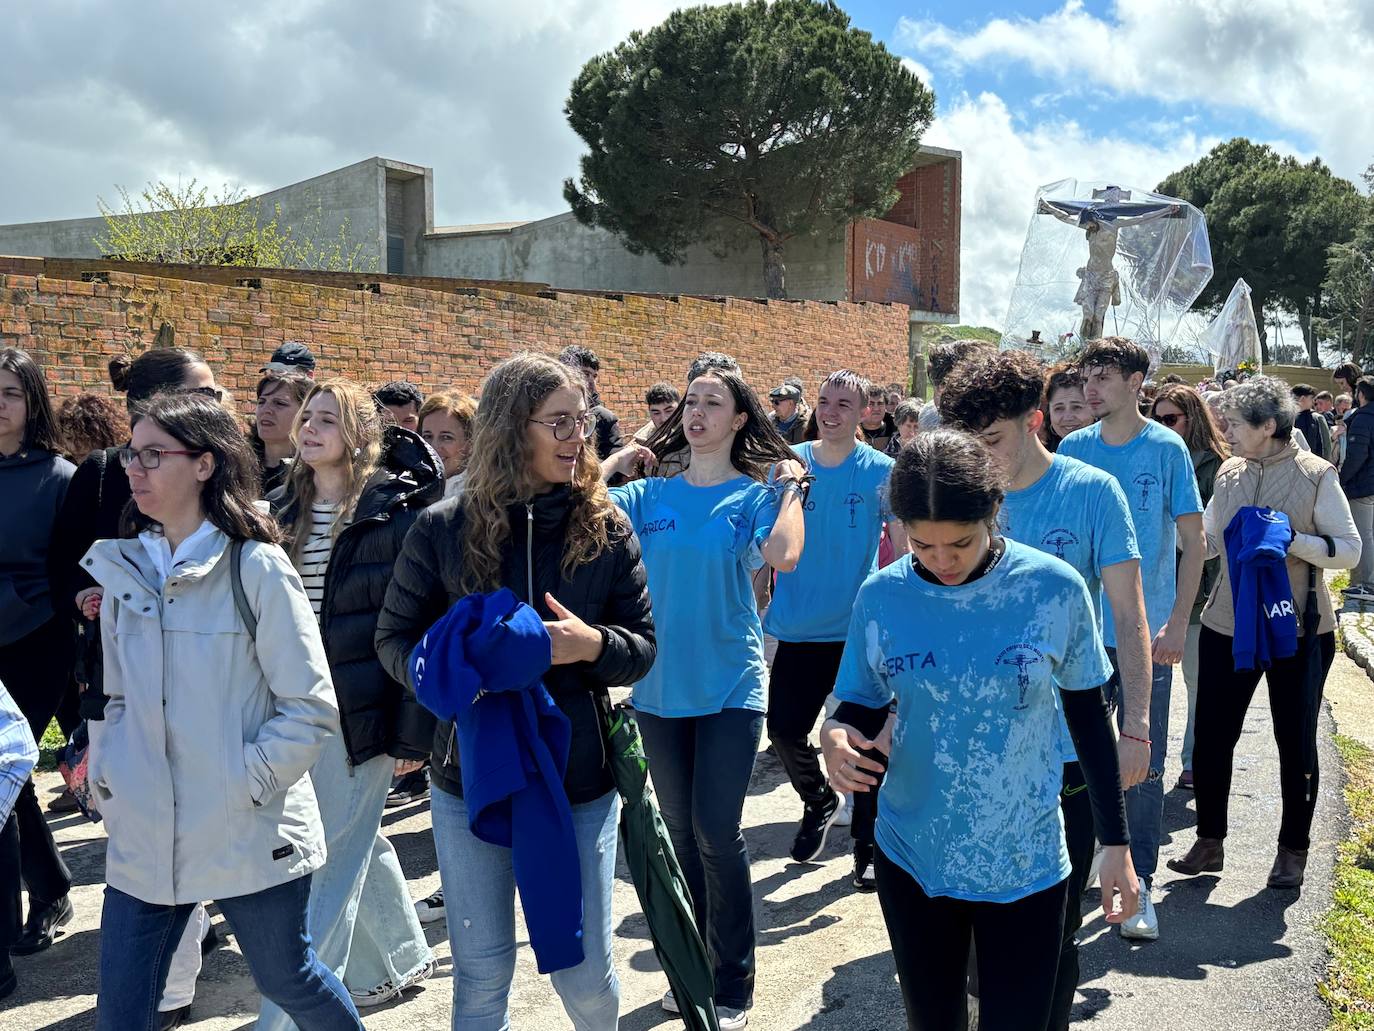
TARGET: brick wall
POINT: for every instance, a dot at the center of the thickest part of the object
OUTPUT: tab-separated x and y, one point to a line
931	203
436	338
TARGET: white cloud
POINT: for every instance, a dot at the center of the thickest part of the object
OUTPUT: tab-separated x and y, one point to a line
1005	162
268	92
1275	60
1304	69
919	70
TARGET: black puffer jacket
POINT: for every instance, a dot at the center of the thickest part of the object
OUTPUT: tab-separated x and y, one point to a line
610	593
377	715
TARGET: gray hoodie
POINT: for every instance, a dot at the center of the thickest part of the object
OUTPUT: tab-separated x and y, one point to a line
33	484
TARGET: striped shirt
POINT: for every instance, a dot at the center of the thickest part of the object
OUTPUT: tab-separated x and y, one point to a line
314	560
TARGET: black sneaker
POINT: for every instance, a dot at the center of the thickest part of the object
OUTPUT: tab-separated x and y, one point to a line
864	878
413	787
816	822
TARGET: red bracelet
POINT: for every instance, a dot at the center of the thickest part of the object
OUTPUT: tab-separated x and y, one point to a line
1131	737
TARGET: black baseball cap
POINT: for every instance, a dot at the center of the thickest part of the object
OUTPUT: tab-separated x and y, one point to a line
292	356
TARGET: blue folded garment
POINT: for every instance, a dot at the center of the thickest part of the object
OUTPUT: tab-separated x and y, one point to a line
1266	619
480	666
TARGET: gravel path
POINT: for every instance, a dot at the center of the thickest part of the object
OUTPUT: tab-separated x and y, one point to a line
1233	956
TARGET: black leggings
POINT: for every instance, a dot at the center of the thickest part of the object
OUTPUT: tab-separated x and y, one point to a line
1223	696
1018	953
802	678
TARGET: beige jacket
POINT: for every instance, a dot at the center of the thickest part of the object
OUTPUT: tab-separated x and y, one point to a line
199	767
1303	487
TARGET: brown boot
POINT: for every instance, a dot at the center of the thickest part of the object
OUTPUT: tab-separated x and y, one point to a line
1206	856
1288	869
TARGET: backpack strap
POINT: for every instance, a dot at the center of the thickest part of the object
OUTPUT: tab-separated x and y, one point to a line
240	595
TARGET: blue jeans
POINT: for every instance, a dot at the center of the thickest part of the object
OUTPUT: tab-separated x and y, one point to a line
388	942
1145	801
351	800
270	926
701	767
479	899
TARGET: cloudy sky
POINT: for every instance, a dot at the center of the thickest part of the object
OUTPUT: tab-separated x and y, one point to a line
268	93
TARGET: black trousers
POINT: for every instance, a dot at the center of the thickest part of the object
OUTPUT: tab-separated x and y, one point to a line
1018	953
1223	696
802	678
36	670
11	902
1081	839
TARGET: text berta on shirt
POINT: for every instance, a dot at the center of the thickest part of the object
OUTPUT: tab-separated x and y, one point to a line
910	662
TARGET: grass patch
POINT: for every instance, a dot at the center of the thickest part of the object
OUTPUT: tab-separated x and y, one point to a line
1349	927
52	743
1338	583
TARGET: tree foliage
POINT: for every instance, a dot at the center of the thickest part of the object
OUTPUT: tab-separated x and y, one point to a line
1349	287
1271	221
765	119
186	224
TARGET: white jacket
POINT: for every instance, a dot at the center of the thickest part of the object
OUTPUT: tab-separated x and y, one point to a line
199	766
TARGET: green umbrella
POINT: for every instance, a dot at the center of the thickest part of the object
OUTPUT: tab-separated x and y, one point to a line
657	877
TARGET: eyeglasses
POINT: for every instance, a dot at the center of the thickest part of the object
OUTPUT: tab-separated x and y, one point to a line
214	393
150	457
566	425
1170	420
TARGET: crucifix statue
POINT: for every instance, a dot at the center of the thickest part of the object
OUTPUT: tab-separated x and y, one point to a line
1101	218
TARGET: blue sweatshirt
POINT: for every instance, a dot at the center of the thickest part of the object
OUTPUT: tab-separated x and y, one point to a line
1257	542
480	666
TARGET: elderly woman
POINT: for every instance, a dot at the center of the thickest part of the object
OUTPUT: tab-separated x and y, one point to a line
1267	470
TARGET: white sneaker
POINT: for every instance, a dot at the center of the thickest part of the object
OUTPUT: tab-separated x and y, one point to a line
1144	926
846	814
670	1003
431	909
731	1019
1359	592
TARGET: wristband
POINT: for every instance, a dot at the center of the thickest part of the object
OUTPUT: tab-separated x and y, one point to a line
1131	737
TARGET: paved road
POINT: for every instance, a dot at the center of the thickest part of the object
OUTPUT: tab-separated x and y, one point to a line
1234	955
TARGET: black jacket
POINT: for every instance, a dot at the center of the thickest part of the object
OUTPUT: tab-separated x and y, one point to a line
377	714
1357	471
610	592
92	511
609	438
34	483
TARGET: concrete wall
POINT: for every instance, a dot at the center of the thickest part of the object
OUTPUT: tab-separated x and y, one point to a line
356	193
568	255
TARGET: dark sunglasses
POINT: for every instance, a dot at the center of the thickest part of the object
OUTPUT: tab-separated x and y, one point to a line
150	457
214	393
1170	420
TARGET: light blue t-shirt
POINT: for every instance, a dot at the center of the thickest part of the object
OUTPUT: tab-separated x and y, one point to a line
1155	472
700	546
1076	513
845	511
970	804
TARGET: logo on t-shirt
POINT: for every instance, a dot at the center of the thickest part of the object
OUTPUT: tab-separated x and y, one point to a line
1144	483
1023	657
853	501
1059	540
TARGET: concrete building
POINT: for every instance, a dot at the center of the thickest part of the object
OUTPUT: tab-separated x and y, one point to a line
910	256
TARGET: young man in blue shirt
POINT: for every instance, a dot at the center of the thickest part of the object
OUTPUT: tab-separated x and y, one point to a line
1062	507
844	512
1153	468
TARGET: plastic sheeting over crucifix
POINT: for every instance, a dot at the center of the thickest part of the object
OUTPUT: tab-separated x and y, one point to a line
1232	339
1105	260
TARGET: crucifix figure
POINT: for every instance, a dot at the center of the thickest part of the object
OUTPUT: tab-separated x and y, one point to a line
1101	218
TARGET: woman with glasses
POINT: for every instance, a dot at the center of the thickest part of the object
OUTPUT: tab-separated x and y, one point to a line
1181	408
347	505
534	517
1309	514
94	510
36	637
219	703
701	708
